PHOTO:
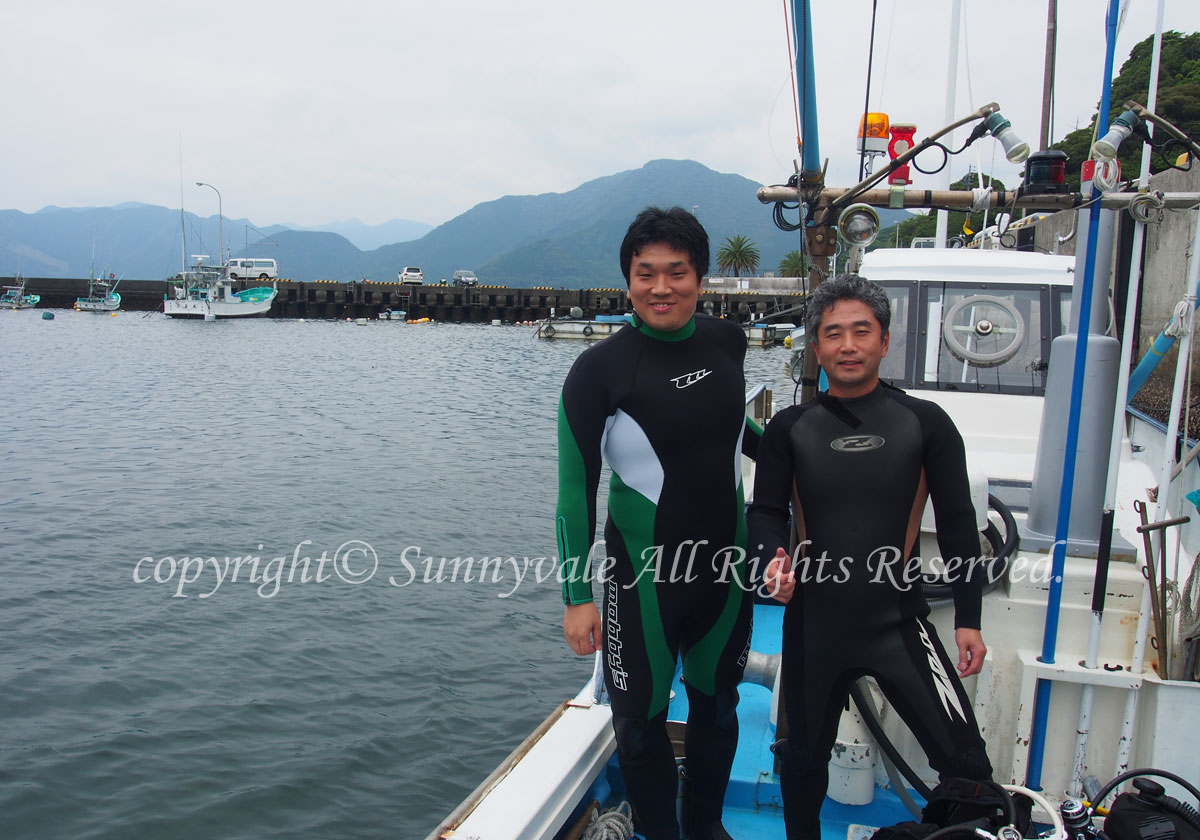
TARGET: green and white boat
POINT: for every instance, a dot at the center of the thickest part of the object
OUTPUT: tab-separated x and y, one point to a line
14	297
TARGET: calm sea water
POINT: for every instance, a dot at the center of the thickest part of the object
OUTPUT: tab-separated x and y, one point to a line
152	687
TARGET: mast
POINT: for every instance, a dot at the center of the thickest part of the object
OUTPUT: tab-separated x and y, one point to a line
819	233
1048	75
943	218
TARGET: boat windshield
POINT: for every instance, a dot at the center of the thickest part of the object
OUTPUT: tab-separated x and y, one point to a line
973	336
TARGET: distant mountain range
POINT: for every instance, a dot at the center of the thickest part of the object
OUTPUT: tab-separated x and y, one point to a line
369	237
555	239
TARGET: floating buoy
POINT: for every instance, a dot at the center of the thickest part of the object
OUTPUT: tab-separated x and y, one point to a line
47	316
112	314
208	316
362	322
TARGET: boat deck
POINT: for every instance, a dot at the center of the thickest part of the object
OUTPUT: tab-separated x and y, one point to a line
753	807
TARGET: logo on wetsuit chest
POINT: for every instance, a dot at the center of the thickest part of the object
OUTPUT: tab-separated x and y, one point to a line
690	378
857	443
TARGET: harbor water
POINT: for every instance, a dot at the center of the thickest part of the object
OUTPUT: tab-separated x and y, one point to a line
244	591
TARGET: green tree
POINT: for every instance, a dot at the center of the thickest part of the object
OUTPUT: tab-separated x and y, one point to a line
792	265
1178	101
738	254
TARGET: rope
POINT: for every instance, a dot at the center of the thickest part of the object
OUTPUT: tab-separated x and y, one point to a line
792	72
615	824
1178	325
982	197
1108	175
886	55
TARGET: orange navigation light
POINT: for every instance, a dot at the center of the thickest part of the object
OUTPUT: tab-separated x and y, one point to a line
903	139
873	133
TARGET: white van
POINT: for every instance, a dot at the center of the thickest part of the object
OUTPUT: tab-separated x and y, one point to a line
263	269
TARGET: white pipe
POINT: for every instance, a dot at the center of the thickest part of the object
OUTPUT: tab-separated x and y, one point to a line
943	221
1060	830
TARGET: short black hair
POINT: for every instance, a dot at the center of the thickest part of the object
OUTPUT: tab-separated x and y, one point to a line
847	287
675	227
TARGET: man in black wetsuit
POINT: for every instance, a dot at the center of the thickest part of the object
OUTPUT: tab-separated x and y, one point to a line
861	460
663	402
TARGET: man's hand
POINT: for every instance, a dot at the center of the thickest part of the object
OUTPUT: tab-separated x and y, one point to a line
582	629
779	581
971	651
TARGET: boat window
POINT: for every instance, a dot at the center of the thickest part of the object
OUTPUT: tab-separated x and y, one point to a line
1062	301
985	337
896	366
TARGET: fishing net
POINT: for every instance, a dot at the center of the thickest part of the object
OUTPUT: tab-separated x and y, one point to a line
1189	621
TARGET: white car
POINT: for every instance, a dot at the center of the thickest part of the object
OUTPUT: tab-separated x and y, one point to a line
412	275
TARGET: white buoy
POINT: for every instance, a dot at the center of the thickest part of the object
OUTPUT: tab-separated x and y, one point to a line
495	322
208	316
362	322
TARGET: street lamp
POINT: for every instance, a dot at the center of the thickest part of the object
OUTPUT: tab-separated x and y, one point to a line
220	225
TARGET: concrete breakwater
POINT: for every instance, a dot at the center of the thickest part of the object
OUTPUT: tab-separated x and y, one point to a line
471	304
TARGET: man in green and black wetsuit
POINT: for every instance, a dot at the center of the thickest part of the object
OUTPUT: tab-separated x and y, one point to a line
663	402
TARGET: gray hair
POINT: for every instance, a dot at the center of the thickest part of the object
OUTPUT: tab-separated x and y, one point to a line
847	287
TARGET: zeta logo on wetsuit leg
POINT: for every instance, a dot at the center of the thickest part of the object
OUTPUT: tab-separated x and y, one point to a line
941	680
691	378
857	443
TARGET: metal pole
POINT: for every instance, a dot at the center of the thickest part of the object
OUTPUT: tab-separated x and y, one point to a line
943	220
806	83
1048	73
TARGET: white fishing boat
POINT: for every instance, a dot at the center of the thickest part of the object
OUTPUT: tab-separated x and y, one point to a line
102	295
14	297
971	332
768	335
1089	559
578	328
206	292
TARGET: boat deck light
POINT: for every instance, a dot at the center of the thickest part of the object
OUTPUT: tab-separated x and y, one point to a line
858	225
873	132
903	139
1106	147
1045	173
1015	149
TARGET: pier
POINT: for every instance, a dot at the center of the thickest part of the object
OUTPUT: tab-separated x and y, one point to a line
458	304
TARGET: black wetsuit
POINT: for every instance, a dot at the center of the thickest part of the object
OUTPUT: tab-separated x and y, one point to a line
666	411
861	469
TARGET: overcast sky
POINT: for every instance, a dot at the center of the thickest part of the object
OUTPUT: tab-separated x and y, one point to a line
307	112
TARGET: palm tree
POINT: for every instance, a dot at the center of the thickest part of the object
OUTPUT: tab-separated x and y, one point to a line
738	254
792	265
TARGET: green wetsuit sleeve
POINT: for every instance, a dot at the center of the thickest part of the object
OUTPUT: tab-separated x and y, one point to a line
581	419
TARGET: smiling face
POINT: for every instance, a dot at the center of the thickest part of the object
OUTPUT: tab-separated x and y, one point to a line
663	287
850	345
